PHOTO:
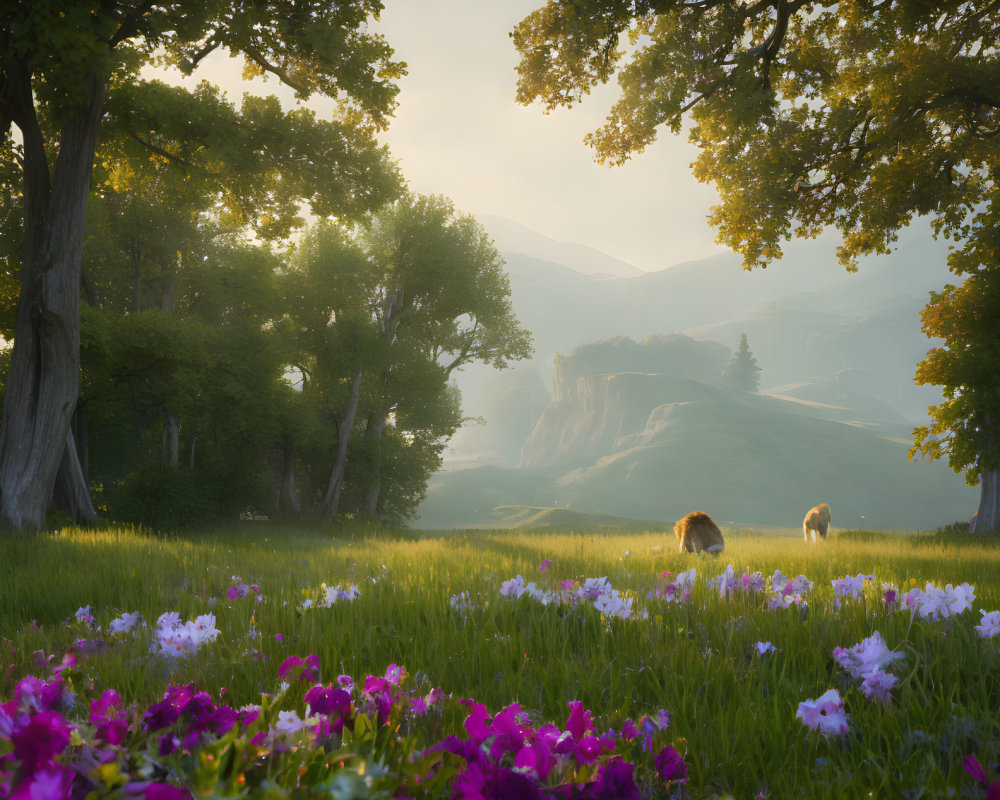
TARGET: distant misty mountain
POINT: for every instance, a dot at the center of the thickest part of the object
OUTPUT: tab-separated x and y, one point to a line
805	317
513	238
661	438
624	426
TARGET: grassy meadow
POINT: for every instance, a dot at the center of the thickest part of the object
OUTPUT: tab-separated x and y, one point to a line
733	709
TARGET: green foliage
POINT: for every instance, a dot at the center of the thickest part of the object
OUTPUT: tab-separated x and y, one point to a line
742	371
966	318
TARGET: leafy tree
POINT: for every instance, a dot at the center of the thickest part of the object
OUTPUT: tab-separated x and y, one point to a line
742	371
58	61
856	115
442	294
383	315
967	318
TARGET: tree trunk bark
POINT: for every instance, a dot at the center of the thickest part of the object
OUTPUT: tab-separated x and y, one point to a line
44	378
71	492
136	279
171	441
987	519
369	504
331	502
288	498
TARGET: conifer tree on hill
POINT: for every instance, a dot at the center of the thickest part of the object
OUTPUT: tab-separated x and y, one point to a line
742	371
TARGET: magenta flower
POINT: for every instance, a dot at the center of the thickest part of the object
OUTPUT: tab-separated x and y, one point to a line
477	723
309	665
579	721
52	782
544	566
35	744
975	769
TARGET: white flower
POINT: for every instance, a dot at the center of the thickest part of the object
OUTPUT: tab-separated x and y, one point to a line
513	588
989	625
289	722
126	622
850	586
960	597
868	656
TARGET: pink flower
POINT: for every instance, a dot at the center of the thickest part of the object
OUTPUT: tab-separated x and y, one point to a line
544	566
824	714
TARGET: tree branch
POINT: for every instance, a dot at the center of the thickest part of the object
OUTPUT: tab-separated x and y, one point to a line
129	25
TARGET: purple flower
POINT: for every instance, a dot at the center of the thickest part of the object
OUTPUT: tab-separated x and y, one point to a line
328	700
878	685
614	782
670	765
52	782
160	715
164	791
629	730
45	736
544	566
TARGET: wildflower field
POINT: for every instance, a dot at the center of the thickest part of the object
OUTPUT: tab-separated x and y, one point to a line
266	661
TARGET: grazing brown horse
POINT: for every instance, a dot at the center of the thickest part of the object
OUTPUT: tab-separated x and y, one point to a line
817	522
697	532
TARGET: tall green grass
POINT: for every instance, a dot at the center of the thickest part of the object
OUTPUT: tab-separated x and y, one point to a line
733	710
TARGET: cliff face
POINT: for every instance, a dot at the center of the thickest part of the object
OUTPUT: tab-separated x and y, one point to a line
605	392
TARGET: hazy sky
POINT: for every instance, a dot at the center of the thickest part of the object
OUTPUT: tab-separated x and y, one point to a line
458	132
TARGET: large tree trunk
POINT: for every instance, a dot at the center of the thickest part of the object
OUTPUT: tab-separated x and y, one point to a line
288	498
44	376
987	519
71	493
331	502
369	504
170	444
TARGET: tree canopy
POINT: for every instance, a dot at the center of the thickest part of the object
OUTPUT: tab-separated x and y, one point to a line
64	75
853	115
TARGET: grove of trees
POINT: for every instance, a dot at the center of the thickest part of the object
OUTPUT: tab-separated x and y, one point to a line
182	346
853	115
